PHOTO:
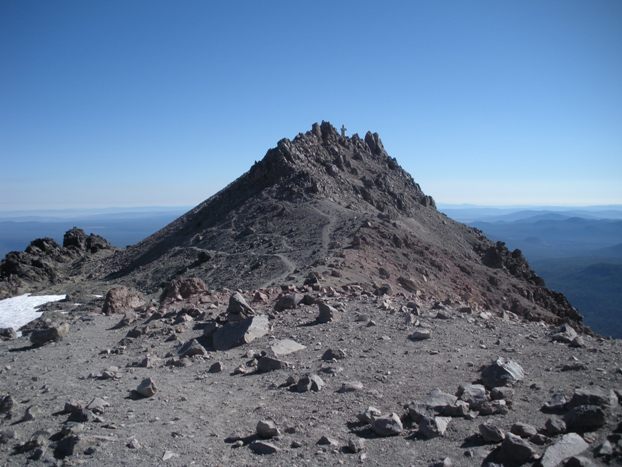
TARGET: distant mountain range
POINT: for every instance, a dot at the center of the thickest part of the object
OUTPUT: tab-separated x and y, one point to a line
577	251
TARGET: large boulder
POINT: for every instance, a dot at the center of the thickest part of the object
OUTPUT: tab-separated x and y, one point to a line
584	418
569	445
182	288
502	372
121	299
245	331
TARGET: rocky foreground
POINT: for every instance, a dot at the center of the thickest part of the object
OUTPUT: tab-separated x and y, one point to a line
303	376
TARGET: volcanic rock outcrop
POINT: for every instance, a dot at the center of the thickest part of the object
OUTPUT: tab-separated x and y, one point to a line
44	262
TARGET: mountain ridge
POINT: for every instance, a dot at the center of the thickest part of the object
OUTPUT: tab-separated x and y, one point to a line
341	209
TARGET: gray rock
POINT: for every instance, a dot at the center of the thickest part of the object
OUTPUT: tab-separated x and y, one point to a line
327	441
147	388
192	348
564	333
556	404
267	363
585	418
473	394
524	430
69	445
369	415
288	302
433	427
387	425
498	407
336	354
355	445
515	451
216	367
310	382
283	347
241	332
267	429
491	433
569	445
238	308
8	406
54	333
6	436
7	334
502	392
98	405
554	426
133	444
327	313
420	335
263	447
593	396
502	372
350	386
438	399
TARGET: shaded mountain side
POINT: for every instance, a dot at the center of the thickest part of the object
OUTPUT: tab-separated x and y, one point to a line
338	208
592	285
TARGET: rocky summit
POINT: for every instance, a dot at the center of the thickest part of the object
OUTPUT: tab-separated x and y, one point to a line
319	310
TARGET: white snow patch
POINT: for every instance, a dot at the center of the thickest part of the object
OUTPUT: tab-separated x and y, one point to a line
17	311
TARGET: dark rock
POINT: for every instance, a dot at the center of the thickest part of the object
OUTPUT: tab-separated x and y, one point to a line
327	441
263	447
433	427
515	451
216	367
245	331
7	334
593	396
238	308
564	333
267	363
192	348
310	382
584	418
355	445
288	302
327	313
336	354
502	372
53	333
8	406
491	433
147	388
387	425
420	335
524	430
267	429
369	415
556	404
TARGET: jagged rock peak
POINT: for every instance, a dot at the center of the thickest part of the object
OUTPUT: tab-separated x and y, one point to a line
326	162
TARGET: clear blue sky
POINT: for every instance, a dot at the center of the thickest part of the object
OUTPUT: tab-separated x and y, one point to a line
131	103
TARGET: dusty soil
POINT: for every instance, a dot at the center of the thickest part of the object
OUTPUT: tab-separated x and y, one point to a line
194	411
